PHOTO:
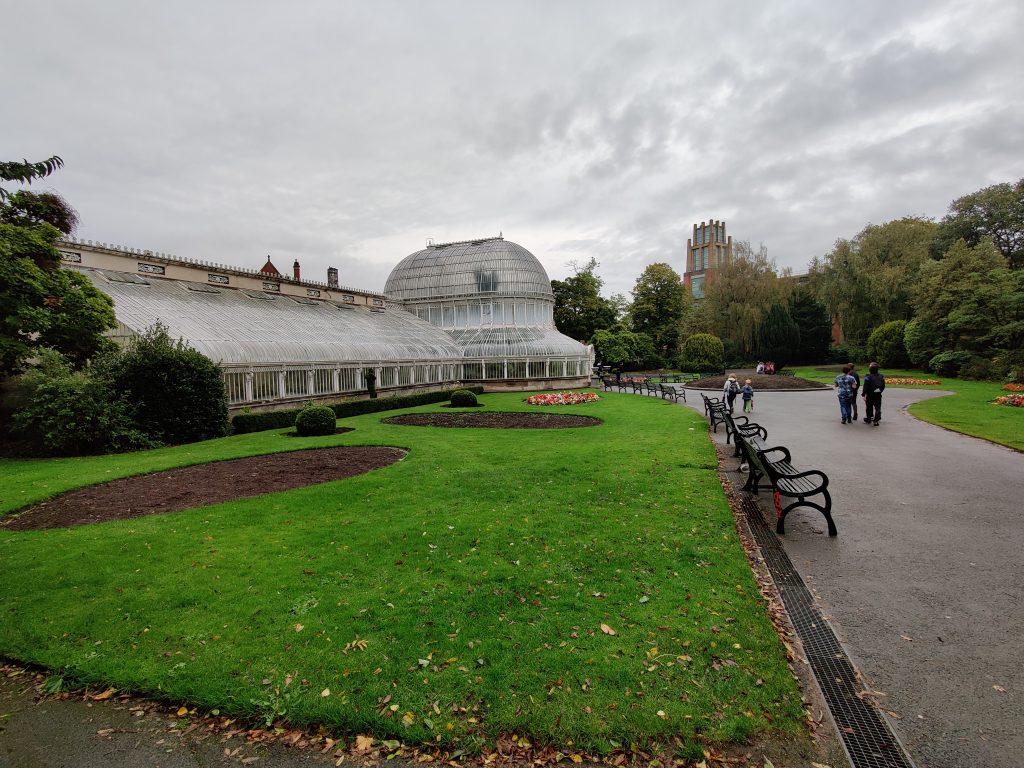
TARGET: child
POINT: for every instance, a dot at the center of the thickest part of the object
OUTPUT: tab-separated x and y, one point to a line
748	397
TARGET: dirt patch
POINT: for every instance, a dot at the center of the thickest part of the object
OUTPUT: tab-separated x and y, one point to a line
497	420
187	487
760	383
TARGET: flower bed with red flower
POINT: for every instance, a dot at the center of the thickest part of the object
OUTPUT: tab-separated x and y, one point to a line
1017	401
1013	387
562	398
899	380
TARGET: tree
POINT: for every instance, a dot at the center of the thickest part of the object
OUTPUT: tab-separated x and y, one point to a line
659	304
975	303
922	341
737	296
618	346
814	324
579	308
703	353
996	212
886	346
778	337
177	392
44	306
870	280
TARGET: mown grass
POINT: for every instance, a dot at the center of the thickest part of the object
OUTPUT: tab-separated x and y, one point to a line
968	410
449	598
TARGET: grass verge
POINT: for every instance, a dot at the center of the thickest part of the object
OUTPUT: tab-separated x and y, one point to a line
969	410
580	586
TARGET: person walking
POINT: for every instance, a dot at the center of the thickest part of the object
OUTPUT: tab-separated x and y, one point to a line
730	390
748	397
874	383
853	394
843	386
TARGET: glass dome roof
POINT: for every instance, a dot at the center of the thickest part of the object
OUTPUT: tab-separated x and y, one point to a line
472	268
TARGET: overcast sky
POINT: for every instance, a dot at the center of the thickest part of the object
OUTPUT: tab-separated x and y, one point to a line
346	133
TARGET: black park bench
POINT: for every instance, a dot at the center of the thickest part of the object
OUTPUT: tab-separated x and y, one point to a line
775	465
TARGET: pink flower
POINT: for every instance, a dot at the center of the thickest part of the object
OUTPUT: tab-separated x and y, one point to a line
562	398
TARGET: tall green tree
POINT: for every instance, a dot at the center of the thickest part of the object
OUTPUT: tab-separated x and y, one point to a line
580	310
870	279
996	212
814	324
659	304
43	305
738	295
778	337
974	302
618	346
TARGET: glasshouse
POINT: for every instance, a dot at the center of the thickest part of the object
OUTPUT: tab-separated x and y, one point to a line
470	312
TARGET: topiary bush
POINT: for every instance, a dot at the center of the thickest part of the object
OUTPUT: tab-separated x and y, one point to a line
463	398
315	420
703	352
949	363
885	345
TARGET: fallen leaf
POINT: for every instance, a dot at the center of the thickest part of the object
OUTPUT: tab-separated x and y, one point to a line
999	688
103	696
325	693
182	711
299	627
364	743
607	630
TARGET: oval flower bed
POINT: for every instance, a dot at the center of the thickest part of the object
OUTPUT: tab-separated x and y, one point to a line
562	398
1013	387
1016	401
898	380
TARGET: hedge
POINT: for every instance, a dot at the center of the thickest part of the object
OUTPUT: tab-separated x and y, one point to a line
257	422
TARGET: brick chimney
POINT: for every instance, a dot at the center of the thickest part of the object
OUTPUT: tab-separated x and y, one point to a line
332	277
295	269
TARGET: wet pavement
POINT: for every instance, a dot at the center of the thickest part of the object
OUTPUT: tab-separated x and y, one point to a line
925	582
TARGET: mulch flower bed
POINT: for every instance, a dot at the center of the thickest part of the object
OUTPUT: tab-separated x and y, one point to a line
196	486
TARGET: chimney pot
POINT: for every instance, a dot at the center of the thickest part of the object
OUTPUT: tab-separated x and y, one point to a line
295	269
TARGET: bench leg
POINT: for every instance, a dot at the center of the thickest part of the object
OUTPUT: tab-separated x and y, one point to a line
801	501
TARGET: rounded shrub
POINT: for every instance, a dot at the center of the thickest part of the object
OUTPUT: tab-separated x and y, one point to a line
315	420
463	398
885	344
949	363
703	352
922	342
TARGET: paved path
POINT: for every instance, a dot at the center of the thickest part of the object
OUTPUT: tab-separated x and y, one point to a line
925	582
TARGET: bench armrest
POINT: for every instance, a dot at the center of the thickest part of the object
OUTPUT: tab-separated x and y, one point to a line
779	448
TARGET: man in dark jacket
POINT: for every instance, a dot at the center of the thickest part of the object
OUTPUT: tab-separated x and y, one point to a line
874	383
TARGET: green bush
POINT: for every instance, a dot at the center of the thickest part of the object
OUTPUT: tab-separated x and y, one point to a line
885	345
979	368
845	352
949	363
250	421
922	342
463	398
177	393
315	420
703	352
72	414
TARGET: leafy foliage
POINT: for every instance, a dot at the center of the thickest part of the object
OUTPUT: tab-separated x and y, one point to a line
177	393
885	344
621	347
68	413
580	310
659	303
315	420
922	341
949	363
870	280
26	172
778	337
702	352
463	398
814	325
995	212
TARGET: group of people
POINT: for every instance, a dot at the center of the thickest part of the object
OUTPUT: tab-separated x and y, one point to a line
847	385
767	367
732	388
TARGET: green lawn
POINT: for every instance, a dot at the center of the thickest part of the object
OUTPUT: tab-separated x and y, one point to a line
969	410
454	596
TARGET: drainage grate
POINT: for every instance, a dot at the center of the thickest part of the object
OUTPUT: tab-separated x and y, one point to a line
867	738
